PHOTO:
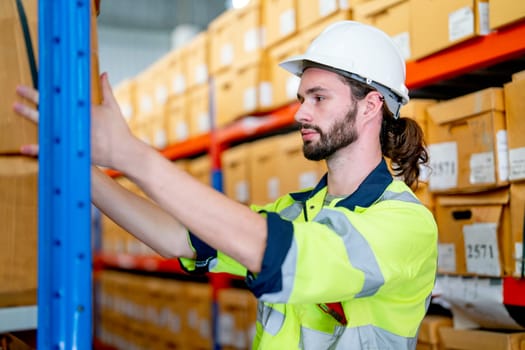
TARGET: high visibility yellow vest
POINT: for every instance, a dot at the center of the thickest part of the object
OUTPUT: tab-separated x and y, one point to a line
374	251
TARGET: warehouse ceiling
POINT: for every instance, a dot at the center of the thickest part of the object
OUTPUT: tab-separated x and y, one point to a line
159	14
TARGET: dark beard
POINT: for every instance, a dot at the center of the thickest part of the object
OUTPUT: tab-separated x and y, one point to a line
340	135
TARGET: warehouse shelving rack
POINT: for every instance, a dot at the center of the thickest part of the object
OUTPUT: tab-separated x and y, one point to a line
65	256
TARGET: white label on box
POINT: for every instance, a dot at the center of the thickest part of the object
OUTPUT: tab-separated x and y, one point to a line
179	84
287	22
478	300
292	86
460	24
204	122
518	254
250	99
226	54
181	131
241	191
161	94
204	328
483	18
402	41
517	163
481	249
193	319
343	4
251	40
201	73
226	329
424	172
446	257
502	148
265	94
145	104
240	341
443	165
326	7
482	168
307	179
273	187
160	140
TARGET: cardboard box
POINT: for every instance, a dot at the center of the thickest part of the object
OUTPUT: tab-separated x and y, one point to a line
392	17
428	335
199	314
284	85
517	213
252	86
504	12
474	234
221	33
145	95
18	237
515	108
440	24
249	35
518	75
124	93
241	92
279	20
198	60
176	118
15	65
263	169
309	12
467	143
236	176
173	315
227	106
199	118
174	71
462	339
236	318
417	110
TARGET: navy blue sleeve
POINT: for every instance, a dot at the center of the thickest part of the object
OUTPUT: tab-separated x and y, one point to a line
205	254
279	240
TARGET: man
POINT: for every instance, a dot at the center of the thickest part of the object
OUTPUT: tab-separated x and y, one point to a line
349	264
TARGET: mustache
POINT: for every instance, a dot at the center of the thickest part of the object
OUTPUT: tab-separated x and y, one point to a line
310	127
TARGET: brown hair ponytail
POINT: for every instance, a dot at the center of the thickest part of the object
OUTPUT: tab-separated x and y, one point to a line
402	141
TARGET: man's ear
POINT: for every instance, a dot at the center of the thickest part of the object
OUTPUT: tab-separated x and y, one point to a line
373	104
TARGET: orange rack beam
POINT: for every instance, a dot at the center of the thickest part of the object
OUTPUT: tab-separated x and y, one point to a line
475	53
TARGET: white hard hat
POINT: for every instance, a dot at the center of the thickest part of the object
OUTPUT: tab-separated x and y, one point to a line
364	53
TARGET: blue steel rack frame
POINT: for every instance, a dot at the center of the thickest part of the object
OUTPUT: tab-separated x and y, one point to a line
64	244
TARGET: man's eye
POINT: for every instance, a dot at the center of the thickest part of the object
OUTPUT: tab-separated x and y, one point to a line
319	98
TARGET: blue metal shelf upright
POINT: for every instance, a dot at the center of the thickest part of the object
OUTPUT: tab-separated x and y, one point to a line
64	247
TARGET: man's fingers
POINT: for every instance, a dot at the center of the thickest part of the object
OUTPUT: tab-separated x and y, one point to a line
107	92
29	150
28	93
26	111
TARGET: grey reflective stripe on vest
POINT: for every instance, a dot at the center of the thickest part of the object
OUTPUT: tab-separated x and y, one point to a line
355	338
373	338
400	196
270	319
359	252
292	212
